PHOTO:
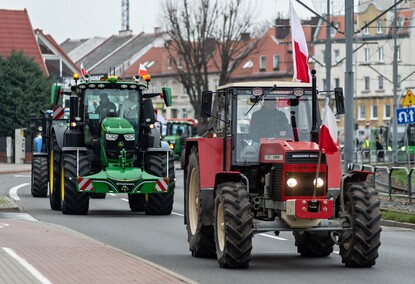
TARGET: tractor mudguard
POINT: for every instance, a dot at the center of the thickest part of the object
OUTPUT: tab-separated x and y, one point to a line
355	176
58	131
207	197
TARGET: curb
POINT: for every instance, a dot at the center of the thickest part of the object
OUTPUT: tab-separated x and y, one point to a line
390	223
8	204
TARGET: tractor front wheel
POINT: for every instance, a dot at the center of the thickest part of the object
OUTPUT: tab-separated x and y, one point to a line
73	202
359	247
313	244
200	237
160	203
39	176
233	225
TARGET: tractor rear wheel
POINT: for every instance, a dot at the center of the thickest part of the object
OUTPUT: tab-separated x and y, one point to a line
160	203
39	186
359	247
54	172
313	244
200	237
137	202
73	202
233	225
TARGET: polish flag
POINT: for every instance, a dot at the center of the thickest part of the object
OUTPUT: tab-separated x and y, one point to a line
142	70
83	71
327	138
300	50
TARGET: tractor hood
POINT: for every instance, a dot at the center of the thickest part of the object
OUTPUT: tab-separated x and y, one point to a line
116	125
281	151
171	137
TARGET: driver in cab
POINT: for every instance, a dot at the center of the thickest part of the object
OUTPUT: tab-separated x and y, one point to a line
105	106
269	122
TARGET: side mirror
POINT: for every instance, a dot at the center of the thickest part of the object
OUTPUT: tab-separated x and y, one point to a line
206	109
148	112
54	95
338	95
167	97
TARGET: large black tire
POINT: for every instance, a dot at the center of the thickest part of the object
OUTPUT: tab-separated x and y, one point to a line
54	174
200	237
360	247
233	225
313	244
74	202
137	202
40	173
160	203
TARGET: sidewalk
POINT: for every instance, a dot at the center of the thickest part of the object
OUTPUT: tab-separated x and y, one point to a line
15	168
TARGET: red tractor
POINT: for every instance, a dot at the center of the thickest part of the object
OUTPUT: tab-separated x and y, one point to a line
243	177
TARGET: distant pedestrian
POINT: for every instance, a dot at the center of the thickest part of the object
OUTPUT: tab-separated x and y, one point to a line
366	147
379	150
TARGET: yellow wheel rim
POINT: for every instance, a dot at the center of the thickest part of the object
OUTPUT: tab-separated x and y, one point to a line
220	227
51	165
62	183
193	201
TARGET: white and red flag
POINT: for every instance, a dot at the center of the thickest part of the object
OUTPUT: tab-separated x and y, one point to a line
300	50
83	71
327	138
142	70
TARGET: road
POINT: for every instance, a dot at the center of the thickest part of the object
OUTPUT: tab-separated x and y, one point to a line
163	240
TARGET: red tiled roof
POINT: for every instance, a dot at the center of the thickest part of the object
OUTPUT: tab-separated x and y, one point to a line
16	33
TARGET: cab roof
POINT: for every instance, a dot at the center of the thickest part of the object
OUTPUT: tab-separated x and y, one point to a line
264	84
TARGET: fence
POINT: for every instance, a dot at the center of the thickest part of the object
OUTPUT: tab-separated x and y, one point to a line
375	157
392	181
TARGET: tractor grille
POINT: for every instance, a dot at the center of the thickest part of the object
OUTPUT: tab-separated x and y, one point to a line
304	158
113	148
276	182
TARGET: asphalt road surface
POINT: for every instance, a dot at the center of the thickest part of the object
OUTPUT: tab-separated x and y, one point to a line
163	240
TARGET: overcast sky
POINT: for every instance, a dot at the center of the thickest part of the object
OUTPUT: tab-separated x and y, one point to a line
77	19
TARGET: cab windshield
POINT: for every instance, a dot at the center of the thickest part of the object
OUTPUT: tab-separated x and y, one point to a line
101	103
282	116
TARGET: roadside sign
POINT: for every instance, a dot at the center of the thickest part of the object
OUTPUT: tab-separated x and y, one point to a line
409	99
405	115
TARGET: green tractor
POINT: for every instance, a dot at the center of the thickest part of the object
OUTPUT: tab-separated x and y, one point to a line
110	145
177	130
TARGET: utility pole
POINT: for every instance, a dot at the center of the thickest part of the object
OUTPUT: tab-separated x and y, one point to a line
395	85
349	86
328	49
125	15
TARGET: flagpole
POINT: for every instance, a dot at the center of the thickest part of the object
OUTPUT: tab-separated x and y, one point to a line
317	173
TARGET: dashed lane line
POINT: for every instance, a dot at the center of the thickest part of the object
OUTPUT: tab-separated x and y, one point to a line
272	237
36	273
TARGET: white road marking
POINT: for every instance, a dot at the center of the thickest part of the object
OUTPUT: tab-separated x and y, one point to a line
14	189
22	176
335	251
178	214
36	273
3	225
112	194
272	237
124	199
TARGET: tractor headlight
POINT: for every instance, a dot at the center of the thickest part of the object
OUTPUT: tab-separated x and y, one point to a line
129	137
319	184
111	137
291	182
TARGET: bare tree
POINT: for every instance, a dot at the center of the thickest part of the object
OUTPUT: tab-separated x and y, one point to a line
207	37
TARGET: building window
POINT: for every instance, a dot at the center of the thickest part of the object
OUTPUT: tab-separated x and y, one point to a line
179	62
380	54
386	111
398	52
333	31
262	62
184	113
367	83
169	63
374	112
276	62
379	27
154	87
173	113
336	82
362	114
324	84
336	55
380	82
401	22
323	56
366	29
367	54
248	64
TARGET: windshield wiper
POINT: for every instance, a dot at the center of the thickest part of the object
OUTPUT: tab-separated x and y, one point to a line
260	98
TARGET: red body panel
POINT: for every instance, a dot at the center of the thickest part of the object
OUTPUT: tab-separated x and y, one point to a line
274	150
334	169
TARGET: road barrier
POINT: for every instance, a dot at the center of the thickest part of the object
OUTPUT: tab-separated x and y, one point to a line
375	157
